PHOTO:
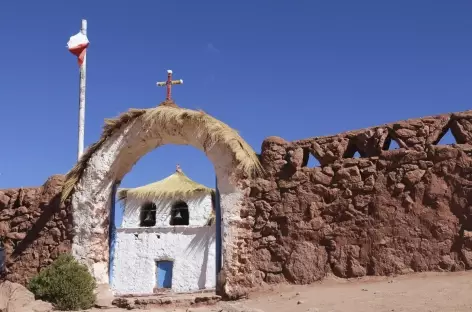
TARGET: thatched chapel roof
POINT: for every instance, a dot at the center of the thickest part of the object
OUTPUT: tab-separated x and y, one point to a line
174	186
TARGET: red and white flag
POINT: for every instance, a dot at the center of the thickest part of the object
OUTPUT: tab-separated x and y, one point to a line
77	45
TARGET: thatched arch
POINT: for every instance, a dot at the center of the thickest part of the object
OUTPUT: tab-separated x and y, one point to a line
123	142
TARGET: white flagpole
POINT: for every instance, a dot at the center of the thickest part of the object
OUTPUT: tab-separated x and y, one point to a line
83	72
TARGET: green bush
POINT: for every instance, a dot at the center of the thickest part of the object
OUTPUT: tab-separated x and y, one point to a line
65	283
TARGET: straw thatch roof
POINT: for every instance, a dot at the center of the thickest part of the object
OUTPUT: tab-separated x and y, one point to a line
213	130
174	186
111	125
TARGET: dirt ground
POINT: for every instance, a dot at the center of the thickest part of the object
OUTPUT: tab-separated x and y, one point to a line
428	292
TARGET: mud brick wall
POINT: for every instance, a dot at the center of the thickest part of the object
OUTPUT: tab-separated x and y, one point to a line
35	228
386	212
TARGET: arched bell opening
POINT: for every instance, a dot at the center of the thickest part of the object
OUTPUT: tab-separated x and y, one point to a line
148	214
179	214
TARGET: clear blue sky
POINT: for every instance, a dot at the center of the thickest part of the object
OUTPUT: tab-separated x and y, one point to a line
294	69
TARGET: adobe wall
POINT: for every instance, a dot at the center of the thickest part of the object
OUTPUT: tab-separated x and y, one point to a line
387	212
35	228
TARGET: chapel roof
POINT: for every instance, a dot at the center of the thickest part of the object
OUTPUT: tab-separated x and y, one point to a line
175	185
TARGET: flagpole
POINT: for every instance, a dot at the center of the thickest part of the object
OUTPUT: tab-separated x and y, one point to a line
218	251
83	72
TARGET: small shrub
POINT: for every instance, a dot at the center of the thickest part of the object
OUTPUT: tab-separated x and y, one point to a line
65	283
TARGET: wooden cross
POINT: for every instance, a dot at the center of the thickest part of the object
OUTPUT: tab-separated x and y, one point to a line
169	84
178	169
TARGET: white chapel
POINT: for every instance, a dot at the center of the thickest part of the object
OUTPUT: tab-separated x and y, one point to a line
167	238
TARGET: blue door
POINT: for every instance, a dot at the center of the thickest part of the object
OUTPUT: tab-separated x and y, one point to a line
164	274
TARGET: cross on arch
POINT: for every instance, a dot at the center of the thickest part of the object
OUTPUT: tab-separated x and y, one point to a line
168	83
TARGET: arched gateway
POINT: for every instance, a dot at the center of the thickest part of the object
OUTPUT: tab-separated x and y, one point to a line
124	141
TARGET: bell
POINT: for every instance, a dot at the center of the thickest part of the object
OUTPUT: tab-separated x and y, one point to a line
178	215
148	217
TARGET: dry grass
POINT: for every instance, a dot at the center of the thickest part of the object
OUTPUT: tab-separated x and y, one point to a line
207	129
174	186
111	125
211	131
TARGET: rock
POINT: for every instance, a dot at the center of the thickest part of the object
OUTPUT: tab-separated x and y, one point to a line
264	186
351	174
4	228
361	201
62	215
328	171
317	223
16	298
399	187
21	211
355	269
371	141
272	278
446	263
16	235
5	214
273	153
40	306
295	157
467	257
306	264
270	239
462	130
288	184
369	182
105	297
444	152
4	200
424	164
321	178
405	133
29	198
19	220
413	177
55	232
437	191
123	303
329	149
263	262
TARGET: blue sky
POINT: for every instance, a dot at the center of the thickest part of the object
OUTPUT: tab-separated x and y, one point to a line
294	69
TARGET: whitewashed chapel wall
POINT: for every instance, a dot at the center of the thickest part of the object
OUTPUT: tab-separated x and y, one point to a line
192	249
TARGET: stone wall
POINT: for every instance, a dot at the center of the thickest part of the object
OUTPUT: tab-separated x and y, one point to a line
386	212
35	228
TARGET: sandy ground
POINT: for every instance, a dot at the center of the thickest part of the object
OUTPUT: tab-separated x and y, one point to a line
445	292
429	292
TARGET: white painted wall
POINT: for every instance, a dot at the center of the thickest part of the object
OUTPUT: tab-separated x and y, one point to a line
116	156
199	211
136	251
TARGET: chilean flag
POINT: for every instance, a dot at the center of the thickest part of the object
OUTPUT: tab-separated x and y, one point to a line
77	45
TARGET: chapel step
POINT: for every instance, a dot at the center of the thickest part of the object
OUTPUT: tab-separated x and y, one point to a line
177	300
